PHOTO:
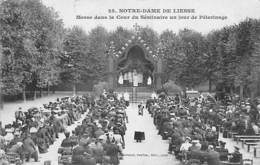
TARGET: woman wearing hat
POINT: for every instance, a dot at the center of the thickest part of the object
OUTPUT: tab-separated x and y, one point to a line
185	147
3	160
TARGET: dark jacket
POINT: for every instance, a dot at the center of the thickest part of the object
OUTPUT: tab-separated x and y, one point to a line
213	158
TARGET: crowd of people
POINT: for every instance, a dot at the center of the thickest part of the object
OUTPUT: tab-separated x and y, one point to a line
193	126
100	137
34	130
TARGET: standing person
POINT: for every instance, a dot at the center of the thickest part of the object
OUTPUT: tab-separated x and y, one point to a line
140	109
2	130
185	147
30	148
126	98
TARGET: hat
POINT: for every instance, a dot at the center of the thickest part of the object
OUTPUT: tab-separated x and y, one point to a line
222	143
16	133
9	130
19	144
210	147
33	130
195	141
187	137
236	148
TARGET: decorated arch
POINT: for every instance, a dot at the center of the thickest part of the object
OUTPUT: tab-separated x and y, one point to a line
135	64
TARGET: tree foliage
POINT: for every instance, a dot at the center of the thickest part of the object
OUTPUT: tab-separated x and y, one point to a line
31	39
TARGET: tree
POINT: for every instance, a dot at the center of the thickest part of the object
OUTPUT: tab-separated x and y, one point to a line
96	58
172	56
73	58
31	38
192	49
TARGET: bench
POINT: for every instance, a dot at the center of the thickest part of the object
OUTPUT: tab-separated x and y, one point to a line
249	140
238	137
232	134
251	144
255	150
243	162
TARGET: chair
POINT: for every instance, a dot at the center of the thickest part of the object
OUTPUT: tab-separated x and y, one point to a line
247	162
13	157
48	162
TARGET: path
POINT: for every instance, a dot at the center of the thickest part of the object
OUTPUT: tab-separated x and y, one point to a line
152	151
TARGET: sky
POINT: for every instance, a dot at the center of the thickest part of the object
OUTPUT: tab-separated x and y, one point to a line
234	10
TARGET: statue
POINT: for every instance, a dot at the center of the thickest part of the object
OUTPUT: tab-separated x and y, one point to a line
121	79
149	81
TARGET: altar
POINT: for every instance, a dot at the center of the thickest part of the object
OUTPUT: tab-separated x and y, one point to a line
134	79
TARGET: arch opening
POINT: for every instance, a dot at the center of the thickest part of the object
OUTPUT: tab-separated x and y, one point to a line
135	69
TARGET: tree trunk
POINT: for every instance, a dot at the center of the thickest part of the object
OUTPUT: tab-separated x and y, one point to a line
1	92
210	85
40	92
35	94
74	89
231	90
48	90
24	95
1	100
241	90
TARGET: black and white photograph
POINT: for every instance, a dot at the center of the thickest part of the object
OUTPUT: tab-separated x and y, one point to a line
129	82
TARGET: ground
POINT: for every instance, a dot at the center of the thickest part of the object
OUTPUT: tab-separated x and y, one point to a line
153	150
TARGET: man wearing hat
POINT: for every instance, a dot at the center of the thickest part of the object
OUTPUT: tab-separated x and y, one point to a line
67	141
99	131
195	146
212	156
98	150
223	152
236	156
112	151
82	154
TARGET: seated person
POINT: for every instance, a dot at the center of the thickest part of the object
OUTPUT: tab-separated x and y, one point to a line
17	149
74	139
223	152
3	160
82	154
236	156
67	141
